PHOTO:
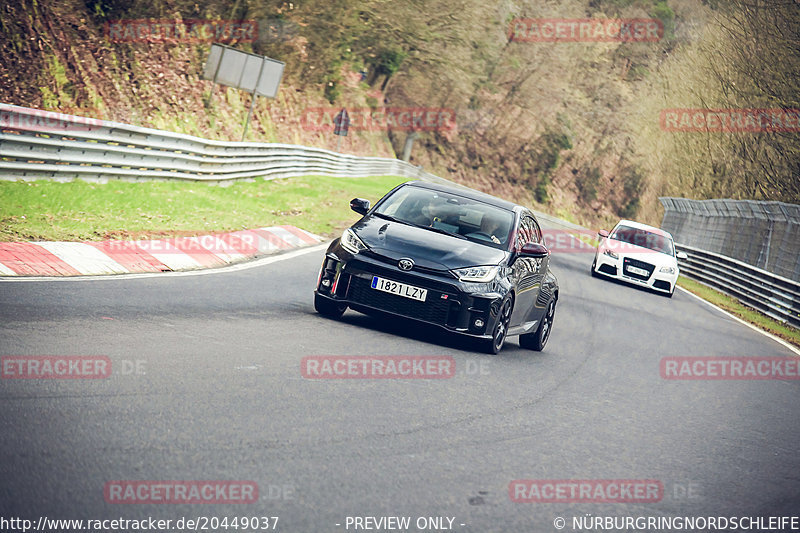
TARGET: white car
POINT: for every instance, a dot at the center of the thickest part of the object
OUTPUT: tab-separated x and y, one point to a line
638	254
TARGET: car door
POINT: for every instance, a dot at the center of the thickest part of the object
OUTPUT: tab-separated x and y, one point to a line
527	273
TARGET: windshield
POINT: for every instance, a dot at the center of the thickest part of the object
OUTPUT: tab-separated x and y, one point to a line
450	213
643	238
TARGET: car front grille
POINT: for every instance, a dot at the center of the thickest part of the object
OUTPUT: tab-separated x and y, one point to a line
628	262
435	309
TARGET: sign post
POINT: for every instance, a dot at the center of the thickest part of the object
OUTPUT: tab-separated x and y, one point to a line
341	124
252	105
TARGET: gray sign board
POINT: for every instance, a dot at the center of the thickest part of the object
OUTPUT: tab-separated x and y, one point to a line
249	72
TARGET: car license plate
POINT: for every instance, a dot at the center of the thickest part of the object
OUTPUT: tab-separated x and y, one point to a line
400	289
637	270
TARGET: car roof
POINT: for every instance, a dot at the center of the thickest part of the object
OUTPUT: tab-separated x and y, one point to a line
467	193
639	225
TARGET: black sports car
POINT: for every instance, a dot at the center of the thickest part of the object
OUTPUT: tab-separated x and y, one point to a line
457	258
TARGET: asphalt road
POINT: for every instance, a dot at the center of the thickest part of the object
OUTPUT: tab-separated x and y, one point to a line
219	396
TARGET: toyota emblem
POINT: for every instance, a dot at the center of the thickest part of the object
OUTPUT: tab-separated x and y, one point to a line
405	264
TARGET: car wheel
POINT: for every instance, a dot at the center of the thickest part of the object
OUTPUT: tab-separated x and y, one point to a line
594	272
501	328
328	307
538	339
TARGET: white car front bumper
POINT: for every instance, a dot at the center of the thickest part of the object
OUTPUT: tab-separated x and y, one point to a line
636	271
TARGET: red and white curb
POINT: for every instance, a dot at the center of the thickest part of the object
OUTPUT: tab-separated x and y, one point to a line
128	256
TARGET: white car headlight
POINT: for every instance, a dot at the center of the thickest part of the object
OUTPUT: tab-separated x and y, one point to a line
477	274
667	270
351	242
609	253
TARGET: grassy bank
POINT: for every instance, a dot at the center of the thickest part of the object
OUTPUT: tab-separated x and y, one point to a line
747	314
78	211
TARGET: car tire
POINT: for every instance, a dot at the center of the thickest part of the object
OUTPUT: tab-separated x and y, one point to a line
538	339
594	272
328	307
500	331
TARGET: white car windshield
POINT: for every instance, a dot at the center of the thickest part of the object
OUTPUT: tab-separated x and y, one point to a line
643	238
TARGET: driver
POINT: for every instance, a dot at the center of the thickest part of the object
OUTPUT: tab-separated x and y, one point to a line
490	226
429	212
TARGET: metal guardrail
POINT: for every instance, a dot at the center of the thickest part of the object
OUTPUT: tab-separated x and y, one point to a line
762	234
764	237
773	295
36	144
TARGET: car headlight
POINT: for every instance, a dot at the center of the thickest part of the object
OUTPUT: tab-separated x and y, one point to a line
667	270
351	242
477	274
609	253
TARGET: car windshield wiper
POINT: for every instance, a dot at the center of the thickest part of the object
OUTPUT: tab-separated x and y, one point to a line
407	223
443	231
390	217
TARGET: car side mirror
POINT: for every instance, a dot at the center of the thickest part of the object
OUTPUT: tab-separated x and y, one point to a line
534	249
603	233
359	205
682	256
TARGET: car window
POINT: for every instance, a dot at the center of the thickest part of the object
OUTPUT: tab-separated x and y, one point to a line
537	231
522	235
475	220
643	238
529	231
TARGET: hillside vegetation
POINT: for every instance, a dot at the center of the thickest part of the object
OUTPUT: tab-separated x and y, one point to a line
570	127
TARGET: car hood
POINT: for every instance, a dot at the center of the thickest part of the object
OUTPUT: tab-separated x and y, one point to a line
428	249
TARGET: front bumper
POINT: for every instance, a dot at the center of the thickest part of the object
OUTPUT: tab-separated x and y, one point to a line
619	269
469	309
